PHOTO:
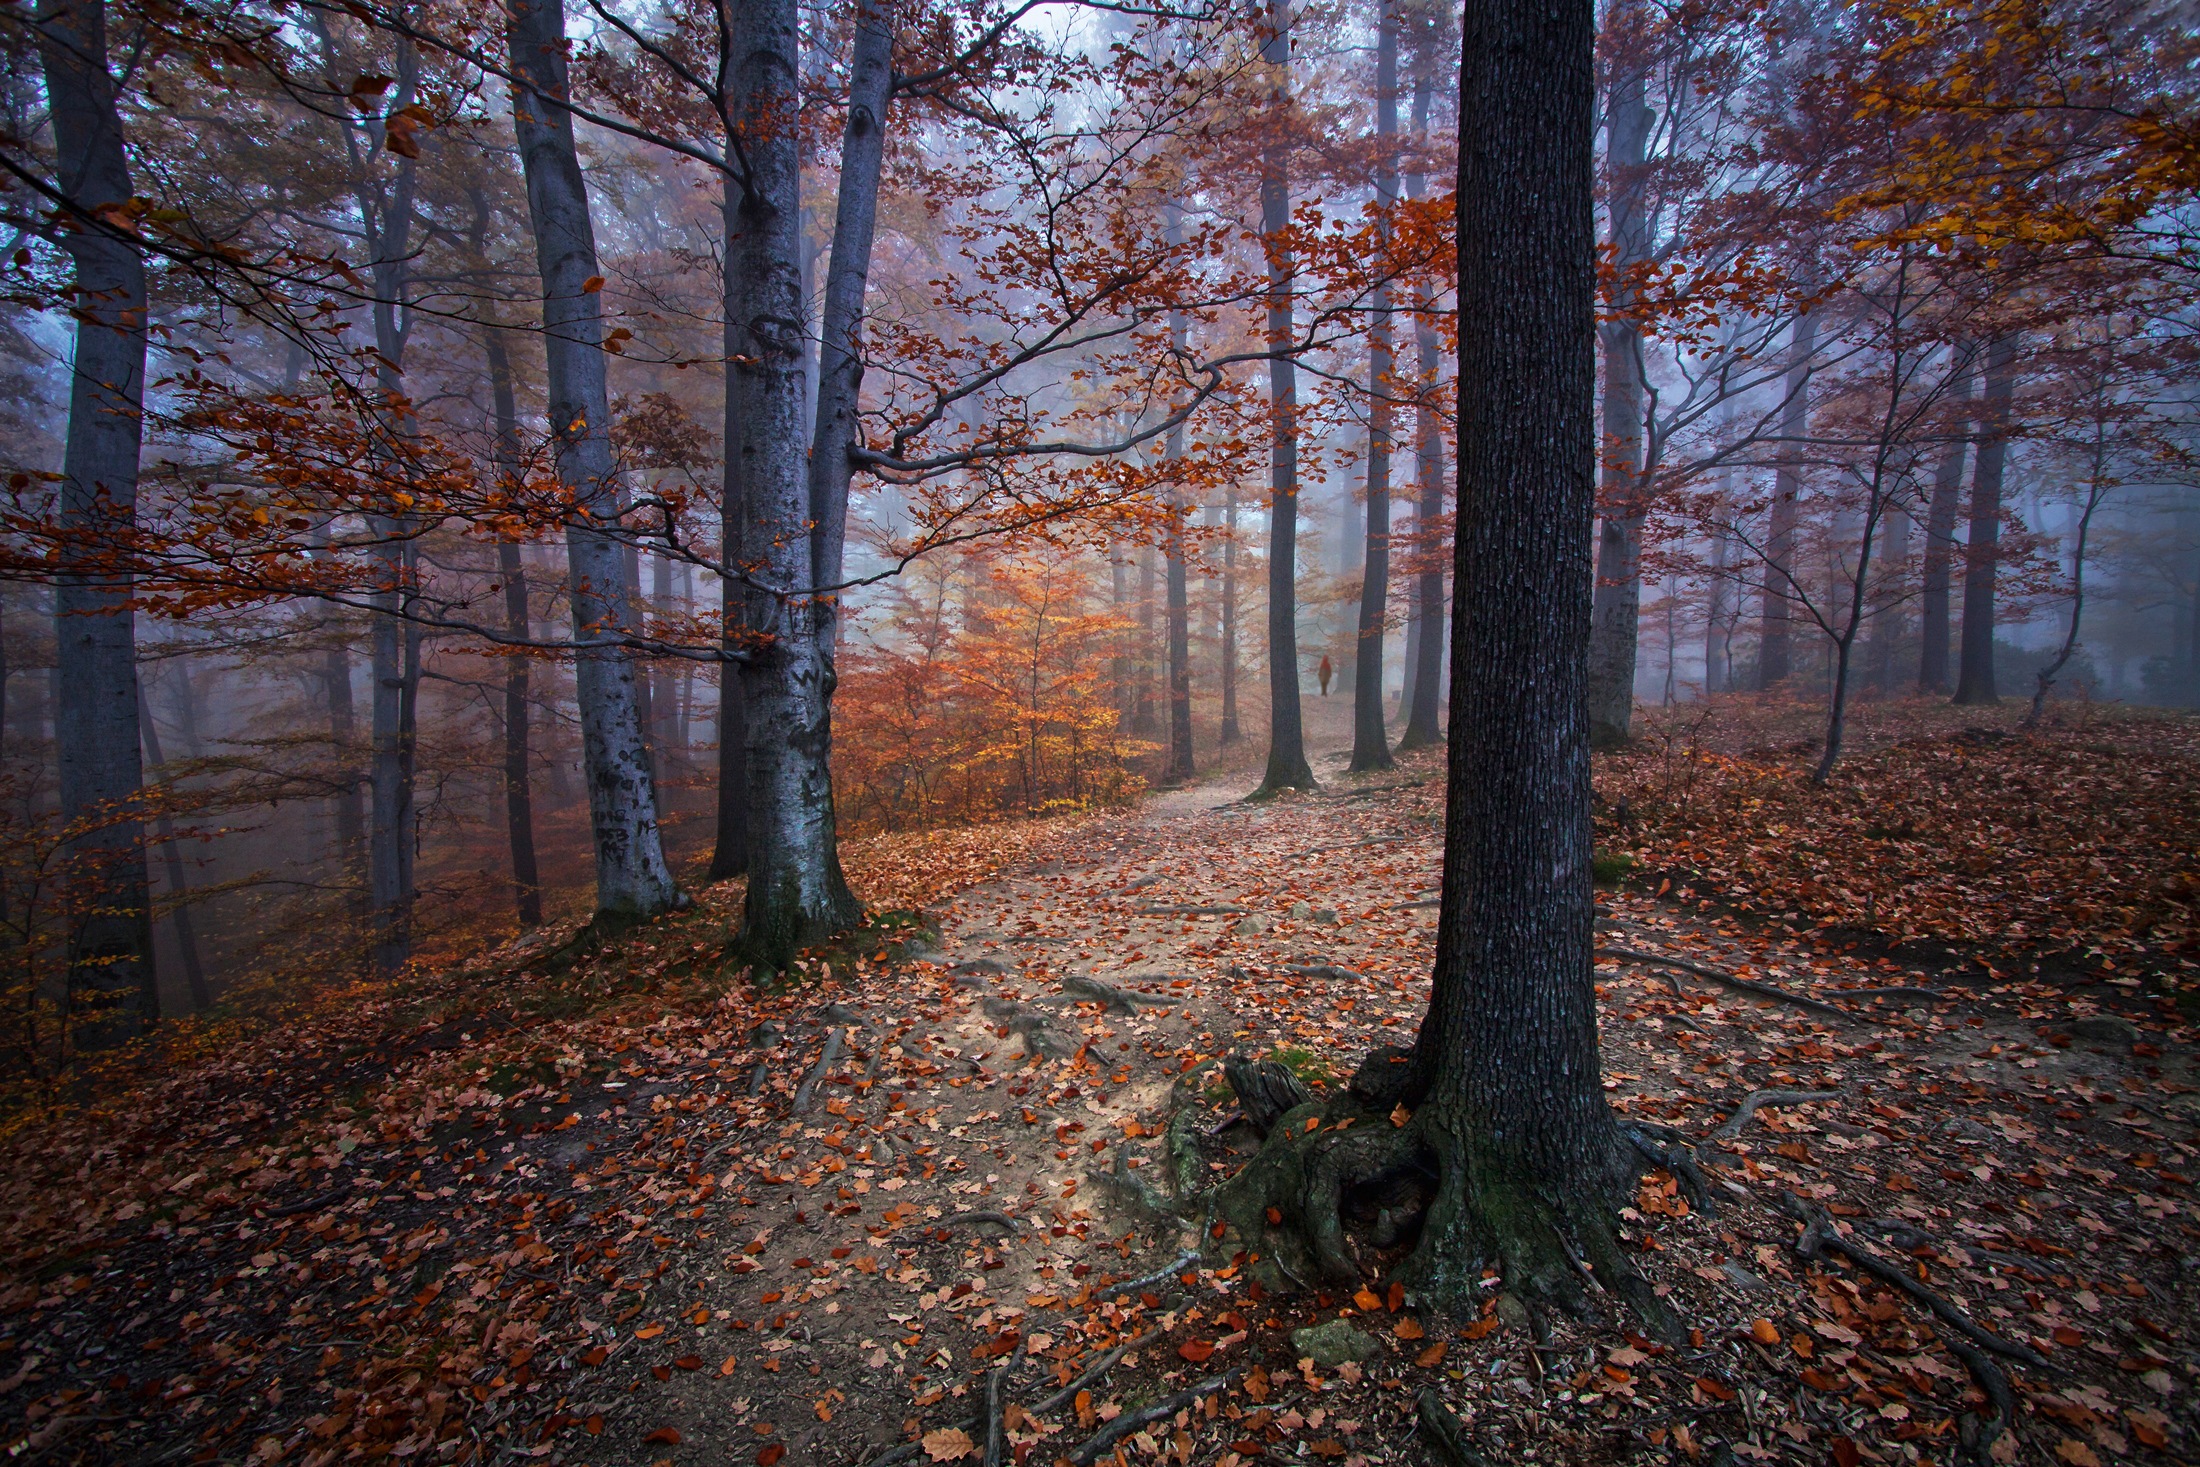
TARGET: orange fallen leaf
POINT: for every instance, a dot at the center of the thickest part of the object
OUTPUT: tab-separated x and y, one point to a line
1763	1332
1196	1351
663	1436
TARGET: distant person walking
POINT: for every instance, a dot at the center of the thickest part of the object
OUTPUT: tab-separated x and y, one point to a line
1326	673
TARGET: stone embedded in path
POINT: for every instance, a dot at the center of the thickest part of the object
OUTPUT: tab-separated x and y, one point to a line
1331	1345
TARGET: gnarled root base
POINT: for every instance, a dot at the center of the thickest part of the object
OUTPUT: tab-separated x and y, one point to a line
1445	1206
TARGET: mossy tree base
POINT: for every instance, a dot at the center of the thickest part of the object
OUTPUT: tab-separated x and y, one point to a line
1341	1192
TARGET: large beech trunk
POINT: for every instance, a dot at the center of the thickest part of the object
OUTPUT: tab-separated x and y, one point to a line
1503	1084
1617	610
632	879
1982	551
1370	739
1287	767
96	686
791	475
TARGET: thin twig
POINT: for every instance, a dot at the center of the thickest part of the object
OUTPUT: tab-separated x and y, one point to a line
1130	1421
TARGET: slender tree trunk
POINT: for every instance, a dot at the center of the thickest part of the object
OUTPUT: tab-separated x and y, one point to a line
664	698
1940	546
1775	645
1427	654
1180	766
96	687
1143	720
797	894
1716	631
1982	552
519	805
1370	739
1618	602
2095	490
632	879
1119	663
1887	619
1230	733
1287	767
180	917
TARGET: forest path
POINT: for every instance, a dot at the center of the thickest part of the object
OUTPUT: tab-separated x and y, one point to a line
708	1223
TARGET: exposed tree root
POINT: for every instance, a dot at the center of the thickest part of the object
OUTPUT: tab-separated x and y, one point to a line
1757	1100
1978	1434
1117	1000
1741	985
1444	1432
1130	1421
805	1094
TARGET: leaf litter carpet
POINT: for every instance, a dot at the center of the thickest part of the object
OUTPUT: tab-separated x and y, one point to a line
879	1219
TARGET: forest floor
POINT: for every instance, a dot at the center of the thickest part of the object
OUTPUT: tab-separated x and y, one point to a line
630	1210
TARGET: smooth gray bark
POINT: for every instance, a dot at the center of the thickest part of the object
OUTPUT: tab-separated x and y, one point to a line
1287	767
1370	739
632	879
1618	603
96	684
791	523
1982	550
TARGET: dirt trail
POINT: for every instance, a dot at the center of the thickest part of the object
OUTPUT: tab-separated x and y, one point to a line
812	1227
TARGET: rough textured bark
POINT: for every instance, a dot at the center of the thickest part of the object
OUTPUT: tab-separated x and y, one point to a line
1508	1110
797	894
729	855
96	685
1940	548
1982	551
1618	603
1144	721
1370	739
632	879
1427	653
519	804
1287	767
1775	640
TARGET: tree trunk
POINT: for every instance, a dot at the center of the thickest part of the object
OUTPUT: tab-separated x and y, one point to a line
1370	739
1887	622
632	880
1287	767
1716	651
1428	453
96	687
1144	721
1504	1087
1775	645
797	894
1982	553
1230	732
180	917
1180	765
729	855
1618	603
519	805
1940	546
